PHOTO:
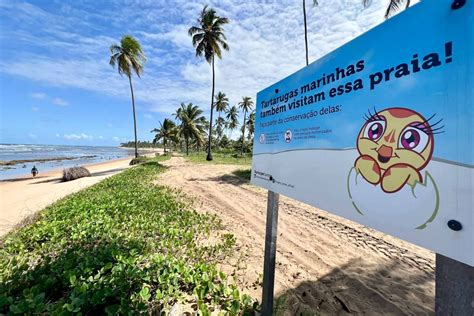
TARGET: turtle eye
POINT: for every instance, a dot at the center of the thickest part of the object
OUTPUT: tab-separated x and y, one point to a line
374	130
414	139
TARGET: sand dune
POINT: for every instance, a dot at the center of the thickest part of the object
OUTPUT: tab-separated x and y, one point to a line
324	263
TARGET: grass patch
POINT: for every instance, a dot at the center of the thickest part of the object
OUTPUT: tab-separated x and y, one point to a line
243	173
122	246
220	158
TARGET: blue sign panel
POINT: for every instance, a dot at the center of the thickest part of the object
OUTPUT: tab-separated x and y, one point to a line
380	131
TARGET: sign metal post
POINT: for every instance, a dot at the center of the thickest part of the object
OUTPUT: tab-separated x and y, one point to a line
454	287
270	253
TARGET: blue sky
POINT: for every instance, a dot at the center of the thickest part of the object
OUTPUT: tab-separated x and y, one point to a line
56	86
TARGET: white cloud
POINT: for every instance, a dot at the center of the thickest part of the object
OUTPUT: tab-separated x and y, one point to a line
32	136
80	136
265	37
38	95
148	116
34	109
60	102
116	139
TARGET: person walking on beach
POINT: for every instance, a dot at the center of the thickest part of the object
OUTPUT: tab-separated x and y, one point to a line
34	171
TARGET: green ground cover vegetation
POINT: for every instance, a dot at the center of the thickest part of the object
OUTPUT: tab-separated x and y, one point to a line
122	246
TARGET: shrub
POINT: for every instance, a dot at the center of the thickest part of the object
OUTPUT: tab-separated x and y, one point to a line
138	160
74	173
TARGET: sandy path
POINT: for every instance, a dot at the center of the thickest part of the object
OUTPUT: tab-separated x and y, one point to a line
22	197
324	263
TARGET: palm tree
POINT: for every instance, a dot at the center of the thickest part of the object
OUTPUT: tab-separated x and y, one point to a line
315	3
251	125
394	5
208	38
233	118
221	104
246	105
167	132
192	124
129	58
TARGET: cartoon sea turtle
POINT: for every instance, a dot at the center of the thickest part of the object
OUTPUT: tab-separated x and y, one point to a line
394	146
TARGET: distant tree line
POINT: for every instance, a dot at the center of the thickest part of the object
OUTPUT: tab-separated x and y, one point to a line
141	144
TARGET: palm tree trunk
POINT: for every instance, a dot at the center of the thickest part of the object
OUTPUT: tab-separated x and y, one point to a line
243	135
187	146
134	116
164	145
209	153
305	32
219	135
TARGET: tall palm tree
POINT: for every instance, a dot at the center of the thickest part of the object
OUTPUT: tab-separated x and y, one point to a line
251	125
220	126
232	118
394	5
245	105
222	102
315	3
167	132
192	124
221	105
208	39
129	58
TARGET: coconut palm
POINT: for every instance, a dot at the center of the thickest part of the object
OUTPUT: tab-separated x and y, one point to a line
315	3
251	125
221	105
232	118
192	124
167	132
177	114
394	5
208	39
222	102
129	58
220	126
245	105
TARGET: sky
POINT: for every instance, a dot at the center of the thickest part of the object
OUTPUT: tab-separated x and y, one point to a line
57	87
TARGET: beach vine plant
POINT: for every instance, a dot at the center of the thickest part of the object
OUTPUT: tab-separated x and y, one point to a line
121	247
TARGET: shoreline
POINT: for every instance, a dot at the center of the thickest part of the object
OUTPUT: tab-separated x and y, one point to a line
58	171
143	151
24	196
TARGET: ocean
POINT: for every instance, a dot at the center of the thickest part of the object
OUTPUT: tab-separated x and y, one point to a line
55	156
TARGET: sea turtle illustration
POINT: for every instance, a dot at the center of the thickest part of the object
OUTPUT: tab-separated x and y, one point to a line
394	146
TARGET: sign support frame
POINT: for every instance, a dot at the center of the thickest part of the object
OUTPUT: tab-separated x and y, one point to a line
454	287
270	253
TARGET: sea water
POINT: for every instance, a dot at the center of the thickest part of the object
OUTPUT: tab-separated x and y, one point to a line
82	155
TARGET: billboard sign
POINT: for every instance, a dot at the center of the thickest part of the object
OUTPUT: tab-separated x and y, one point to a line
380	131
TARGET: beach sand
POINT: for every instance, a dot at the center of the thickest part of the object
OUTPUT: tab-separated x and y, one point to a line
24	196
324	263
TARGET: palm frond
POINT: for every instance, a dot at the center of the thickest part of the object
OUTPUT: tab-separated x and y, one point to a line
393	6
